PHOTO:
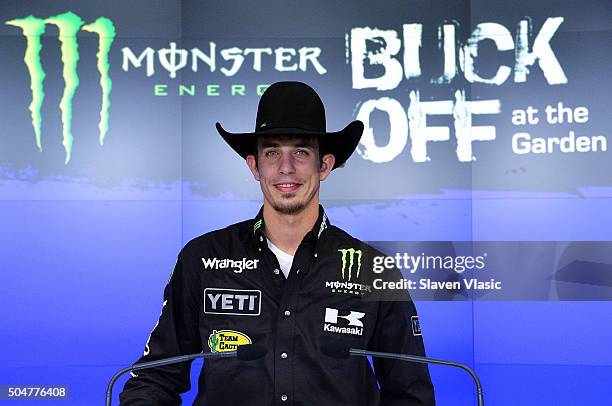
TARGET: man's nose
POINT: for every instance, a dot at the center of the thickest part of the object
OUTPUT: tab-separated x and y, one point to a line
287	165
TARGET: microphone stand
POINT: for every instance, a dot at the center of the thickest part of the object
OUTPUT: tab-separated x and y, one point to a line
161	362
424	360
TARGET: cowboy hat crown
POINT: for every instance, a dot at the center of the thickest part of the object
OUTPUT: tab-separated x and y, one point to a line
294	108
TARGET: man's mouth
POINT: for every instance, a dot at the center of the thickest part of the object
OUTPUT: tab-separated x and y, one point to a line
287	187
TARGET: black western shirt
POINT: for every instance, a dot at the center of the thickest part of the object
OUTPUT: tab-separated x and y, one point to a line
227	289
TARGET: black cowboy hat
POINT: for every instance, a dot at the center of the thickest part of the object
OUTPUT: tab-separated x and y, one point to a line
294	108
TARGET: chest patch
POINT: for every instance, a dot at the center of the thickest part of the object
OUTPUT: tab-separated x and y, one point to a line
232	302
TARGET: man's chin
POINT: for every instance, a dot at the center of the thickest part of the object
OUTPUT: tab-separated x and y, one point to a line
289	207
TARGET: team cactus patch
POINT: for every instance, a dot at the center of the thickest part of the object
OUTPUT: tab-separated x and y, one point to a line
227	340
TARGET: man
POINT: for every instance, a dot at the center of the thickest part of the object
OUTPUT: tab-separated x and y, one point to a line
288	281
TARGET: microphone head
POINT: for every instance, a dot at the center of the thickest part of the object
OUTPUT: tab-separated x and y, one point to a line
250	352
335	349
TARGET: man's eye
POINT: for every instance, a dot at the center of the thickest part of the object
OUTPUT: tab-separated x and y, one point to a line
271	153
301	152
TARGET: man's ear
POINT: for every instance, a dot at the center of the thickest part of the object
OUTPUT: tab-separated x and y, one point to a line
327	164
250	160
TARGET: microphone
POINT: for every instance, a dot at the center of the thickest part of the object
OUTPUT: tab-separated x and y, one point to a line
336	349
248	352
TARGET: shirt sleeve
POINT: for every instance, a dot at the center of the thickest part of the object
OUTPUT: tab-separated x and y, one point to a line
401	382
175	333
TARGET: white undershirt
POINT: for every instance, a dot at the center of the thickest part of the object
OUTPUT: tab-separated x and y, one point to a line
284	260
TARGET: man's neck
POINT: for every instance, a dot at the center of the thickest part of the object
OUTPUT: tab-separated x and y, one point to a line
287	231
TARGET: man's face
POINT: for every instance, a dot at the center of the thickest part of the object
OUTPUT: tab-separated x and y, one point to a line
289	172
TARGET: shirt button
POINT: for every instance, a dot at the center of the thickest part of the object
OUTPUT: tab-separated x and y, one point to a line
284	398
284	355
276	271
316	255
287	313
261	238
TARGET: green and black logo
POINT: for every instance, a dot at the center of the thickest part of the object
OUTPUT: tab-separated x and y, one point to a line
68	24
351	269
348	255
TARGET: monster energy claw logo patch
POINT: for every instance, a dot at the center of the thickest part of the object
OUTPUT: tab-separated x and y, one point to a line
350	253
68	25
257	224
351	269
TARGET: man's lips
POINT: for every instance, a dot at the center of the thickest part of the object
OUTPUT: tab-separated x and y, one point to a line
287	187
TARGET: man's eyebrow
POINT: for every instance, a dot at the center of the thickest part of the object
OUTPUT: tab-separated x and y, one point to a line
304	144
268	144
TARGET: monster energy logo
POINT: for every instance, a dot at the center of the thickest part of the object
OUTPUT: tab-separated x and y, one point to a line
350	253
257	224
68	25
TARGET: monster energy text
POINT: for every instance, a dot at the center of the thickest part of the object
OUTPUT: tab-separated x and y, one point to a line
208	89
173	59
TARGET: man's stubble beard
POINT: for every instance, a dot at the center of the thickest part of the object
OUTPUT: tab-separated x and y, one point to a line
289	208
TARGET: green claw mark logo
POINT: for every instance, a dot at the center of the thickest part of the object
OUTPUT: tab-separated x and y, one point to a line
350	253
68	25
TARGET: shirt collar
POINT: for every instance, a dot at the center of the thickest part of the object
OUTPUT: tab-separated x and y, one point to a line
317	231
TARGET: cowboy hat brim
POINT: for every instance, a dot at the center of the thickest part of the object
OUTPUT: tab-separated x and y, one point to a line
341	143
